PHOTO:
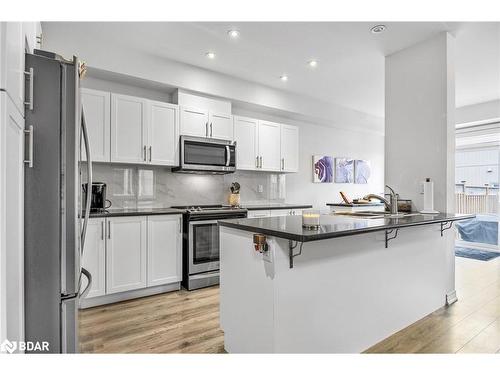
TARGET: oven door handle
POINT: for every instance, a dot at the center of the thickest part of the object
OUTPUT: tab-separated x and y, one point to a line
196	222
228	155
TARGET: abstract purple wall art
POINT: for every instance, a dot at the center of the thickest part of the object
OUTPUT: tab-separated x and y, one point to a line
362	171
344	170
323	169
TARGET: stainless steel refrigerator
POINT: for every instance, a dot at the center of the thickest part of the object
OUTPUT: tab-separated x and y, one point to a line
55	221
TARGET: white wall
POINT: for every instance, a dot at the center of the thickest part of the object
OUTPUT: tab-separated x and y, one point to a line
420	128
322	140
420	125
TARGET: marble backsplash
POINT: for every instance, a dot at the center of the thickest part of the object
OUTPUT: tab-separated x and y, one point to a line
131	186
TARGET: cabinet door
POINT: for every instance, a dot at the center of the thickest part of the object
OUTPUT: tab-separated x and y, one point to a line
97	106
221	126
12	217
164	249
94	256
128	129
126	253
269	145
245	135
163	133
194	122
258	213
289	148
12	76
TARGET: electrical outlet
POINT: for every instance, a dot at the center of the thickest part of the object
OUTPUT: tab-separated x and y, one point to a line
260	188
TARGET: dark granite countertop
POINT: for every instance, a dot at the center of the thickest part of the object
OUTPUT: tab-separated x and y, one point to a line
373	204
274	206
332	226
136	212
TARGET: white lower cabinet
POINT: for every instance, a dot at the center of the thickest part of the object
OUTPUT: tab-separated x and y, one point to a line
164	249
94	256
126	253
132	252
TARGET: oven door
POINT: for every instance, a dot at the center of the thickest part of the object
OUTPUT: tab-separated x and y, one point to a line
203	246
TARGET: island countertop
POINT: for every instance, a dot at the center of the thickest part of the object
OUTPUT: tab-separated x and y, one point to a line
332	226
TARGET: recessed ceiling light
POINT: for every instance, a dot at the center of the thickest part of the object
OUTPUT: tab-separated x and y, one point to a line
233	33
378	29
284	78
312	63
210	55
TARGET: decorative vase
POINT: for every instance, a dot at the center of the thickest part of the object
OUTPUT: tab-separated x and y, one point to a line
234	200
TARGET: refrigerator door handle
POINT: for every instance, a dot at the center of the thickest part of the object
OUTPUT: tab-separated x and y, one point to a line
89	182
88	275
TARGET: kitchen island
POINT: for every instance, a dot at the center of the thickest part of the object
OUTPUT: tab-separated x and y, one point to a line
339	289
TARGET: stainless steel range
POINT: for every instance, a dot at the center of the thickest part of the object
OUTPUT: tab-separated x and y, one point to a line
201	243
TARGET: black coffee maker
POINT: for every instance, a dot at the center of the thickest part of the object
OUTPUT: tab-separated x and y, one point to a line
98	198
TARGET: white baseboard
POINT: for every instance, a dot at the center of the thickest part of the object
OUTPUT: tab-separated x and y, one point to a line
131	294
451	297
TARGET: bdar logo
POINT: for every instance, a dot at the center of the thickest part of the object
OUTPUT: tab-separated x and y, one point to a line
8	346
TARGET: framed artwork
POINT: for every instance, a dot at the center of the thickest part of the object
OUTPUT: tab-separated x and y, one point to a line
322	169
344	170
362	171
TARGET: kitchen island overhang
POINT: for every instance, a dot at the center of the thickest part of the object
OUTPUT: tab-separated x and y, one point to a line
346	291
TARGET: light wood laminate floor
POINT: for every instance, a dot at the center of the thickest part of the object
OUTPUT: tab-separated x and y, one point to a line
188	322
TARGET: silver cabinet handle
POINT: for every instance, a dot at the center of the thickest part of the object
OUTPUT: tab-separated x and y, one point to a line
30	75
180	225
109	229
282	163
256	162
145	152
102	230
206	129
260	157
150	153
210	130
29	132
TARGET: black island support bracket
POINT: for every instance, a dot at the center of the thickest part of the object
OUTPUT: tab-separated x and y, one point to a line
445	226
390	234
291	247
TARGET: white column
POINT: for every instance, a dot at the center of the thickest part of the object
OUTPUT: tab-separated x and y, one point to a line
420	126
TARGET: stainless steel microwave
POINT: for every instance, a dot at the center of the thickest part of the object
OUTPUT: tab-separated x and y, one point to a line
206	155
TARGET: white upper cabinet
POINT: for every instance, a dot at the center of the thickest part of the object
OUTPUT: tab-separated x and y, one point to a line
289	148
269	146
12	48
126	253
128	129
220	126
245	135
94	256
164	249
204	123
33	34
194	122
163	133
97	106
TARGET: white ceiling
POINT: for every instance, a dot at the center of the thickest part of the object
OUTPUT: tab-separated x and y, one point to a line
350	69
